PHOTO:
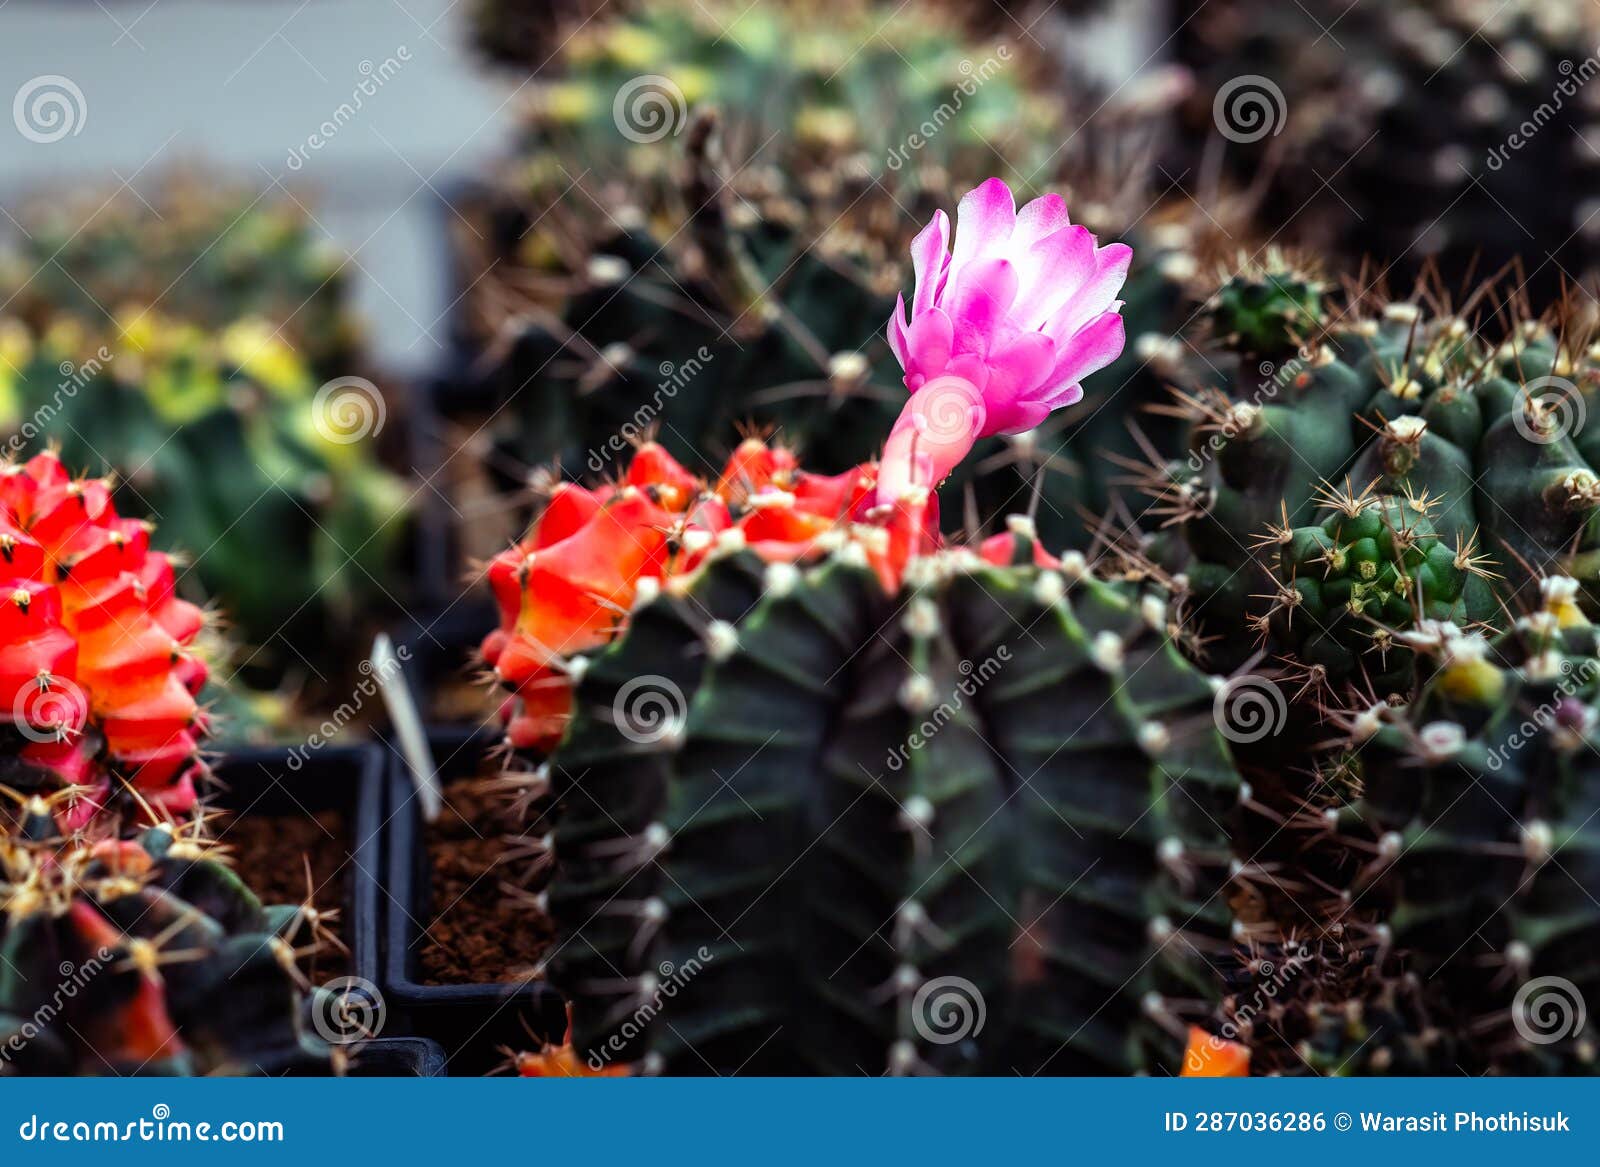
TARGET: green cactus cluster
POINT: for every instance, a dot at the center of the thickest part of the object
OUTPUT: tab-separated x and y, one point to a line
844	77
145	957
1354	472
993	799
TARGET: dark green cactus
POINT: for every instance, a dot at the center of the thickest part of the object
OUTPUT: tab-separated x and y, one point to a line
1329	1007
992	802
144	957
1473	837
1447	133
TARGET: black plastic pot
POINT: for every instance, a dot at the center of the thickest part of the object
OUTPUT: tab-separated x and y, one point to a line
298	781
472	1021
398	1057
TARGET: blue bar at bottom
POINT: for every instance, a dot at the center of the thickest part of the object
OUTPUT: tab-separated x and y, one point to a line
741	1122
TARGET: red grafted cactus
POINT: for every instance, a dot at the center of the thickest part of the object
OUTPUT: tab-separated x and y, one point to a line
566	589
98	676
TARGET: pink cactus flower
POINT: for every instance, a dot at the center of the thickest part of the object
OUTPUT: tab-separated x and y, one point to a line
1002	329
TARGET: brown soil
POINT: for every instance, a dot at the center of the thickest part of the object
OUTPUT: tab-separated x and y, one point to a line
269	852
477	933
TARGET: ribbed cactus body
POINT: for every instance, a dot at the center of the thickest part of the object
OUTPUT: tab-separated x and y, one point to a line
98	671
991	797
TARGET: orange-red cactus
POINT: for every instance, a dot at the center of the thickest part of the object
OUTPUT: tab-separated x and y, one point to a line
568	587
97	678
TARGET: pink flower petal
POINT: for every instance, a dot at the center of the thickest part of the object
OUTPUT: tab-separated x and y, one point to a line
929	339
929	257
1016	371
983	224
1053	271
1088	351
981	304
1097	293
897	332
1040	219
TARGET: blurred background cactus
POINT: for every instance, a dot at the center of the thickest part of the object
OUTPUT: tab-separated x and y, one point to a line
189	249
1462	134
